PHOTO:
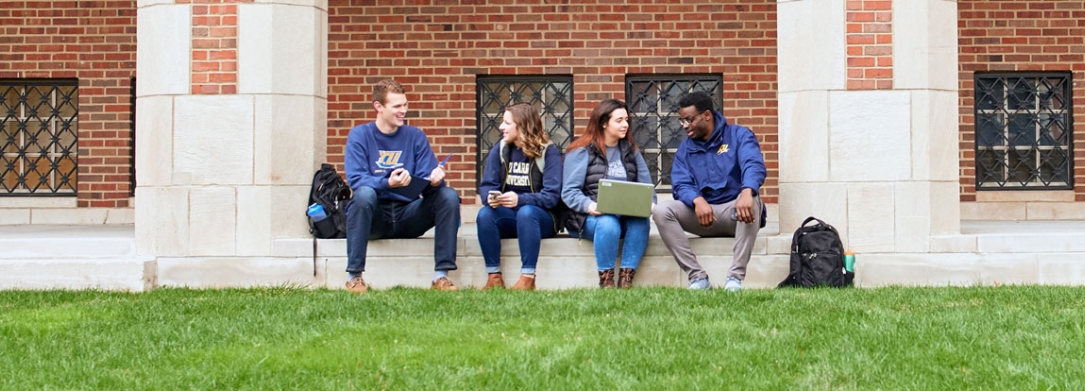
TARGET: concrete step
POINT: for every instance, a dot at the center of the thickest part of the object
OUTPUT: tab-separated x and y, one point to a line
67	242
104	257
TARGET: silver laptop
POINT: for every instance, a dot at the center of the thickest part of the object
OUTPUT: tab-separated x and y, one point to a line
625	198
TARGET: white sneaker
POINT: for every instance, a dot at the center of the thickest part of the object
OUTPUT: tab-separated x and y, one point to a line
733	284
700	284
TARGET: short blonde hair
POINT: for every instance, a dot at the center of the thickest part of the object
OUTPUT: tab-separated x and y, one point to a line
383	87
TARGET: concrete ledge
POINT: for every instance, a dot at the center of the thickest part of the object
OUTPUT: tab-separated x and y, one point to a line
65	242
211	272
132	274
103	257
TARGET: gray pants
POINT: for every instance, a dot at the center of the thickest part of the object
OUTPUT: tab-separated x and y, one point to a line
674	219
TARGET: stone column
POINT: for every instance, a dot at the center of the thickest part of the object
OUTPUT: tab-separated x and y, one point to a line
868	120
231	124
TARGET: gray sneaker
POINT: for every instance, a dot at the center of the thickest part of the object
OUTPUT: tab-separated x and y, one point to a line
700	284
732	284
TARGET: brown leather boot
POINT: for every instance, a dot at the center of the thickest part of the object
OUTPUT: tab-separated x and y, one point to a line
625	277
356	285
606	279
444	284
494	280
525	283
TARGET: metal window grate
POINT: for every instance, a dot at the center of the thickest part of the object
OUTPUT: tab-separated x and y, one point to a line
1023	131
39	135
551	95
653	100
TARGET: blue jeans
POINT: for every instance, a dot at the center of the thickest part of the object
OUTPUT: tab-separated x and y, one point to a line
370	218
605	231
528	223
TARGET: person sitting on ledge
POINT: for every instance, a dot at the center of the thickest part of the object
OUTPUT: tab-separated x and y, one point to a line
522	188
715	178
382	158
606	151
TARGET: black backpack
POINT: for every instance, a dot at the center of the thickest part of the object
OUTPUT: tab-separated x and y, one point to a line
817	257
331	192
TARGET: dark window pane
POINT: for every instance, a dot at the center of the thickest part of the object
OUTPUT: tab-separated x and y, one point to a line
653	100
552	96
39	127
1023	123
989	130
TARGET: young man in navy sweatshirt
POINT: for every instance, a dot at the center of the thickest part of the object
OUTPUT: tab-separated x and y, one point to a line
383	158
715	178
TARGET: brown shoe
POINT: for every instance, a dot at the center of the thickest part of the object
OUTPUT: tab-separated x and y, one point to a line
525	283
356	285
444	284
625	278
494	280
606	279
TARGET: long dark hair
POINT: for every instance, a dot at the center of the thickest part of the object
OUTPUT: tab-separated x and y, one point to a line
593	133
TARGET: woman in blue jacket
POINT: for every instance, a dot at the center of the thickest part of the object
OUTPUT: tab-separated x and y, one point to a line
606	151
521	185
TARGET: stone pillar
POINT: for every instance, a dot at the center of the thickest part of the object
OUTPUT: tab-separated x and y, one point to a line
231	124
868	120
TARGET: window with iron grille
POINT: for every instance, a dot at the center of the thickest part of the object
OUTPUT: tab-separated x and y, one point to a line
552	96
39	135
653	100
1023	131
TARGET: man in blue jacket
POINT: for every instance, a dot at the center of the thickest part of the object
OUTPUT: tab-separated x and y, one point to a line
382	159
716	174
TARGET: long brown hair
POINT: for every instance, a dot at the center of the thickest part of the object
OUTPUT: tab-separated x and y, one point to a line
593	133
529	124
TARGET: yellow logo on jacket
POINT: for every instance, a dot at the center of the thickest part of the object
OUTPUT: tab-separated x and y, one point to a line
389	159
723	149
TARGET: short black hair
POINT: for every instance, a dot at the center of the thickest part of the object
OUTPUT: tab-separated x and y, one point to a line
699	99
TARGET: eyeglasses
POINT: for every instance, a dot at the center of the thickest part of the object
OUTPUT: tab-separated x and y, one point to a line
690	120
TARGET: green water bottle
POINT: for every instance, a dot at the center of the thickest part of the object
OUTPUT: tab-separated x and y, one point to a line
849	261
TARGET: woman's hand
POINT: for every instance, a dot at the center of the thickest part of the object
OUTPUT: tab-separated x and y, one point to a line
592	211
508	199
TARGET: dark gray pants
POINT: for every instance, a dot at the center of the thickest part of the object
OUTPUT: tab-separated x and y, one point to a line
674	219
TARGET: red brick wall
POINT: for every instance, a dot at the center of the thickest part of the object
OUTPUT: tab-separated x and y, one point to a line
214	46
870	44
94	41
436	51
1020	35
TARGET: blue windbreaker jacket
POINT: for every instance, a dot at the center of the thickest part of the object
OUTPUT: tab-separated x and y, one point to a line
720	167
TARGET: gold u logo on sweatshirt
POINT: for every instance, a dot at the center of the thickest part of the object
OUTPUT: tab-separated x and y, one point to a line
723	149
389	159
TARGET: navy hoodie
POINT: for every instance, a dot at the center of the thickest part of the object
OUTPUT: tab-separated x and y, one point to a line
371	156
718	168
547	198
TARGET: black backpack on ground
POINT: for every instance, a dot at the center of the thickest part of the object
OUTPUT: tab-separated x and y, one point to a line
817	257
331	192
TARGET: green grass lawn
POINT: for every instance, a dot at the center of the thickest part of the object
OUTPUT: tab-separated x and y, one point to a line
652	339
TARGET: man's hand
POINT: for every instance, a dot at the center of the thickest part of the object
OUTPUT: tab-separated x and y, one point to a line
705	215
436	176
399	178
744	206
592	211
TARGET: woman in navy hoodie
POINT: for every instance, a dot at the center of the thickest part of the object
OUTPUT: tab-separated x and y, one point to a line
606	150
522	189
